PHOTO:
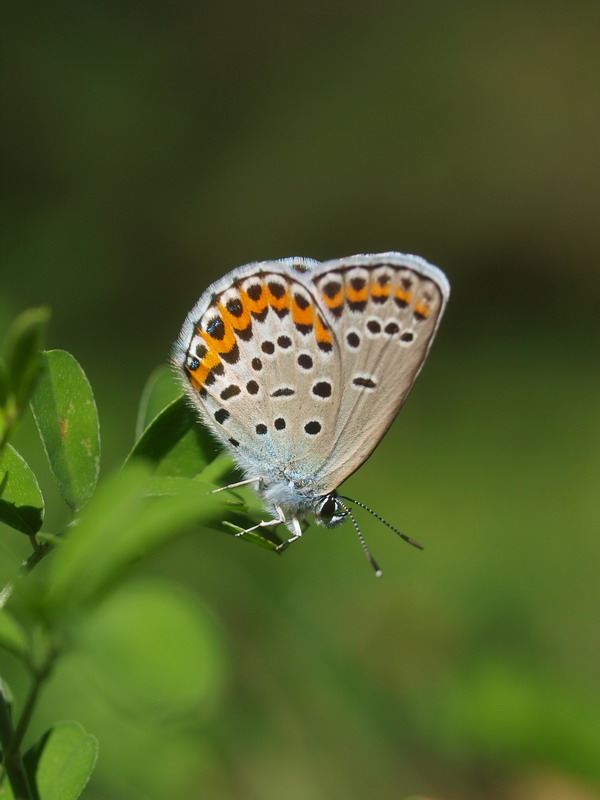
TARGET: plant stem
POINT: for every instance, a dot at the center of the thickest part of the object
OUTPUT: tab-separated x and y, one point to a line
12	756
13	763
40	550
38	679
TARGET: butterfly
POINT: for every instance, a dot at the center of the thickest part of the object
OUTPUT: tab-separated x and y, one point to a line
299	368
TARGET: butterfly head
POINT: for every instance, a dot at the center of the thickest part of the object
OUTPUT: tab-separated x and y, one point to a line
330	511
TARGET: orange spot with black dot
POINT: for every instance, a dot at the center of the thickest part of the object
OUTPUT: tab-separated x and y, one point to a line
357	295
278	296
198	376
303	313
238	322
332	293
379	292
322	332
220	345
403	296
255	299
422	310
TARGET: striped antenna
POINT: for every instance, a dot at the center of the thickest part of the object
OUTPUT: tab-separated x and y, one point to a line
372	562
385	522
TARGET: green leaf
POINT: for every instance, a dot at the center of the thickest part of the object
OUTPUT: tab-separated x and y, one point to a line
12	635
21	501
235	508
65	412
120	525
158	485
175	442
22	346
161	389
63	761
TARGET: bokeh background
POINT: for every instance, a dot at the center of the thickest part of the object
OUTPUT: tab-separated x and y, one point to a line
149	148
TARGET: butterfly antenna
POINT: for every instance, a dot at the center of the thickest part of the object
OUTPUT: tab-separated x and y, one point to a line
385	522
372	562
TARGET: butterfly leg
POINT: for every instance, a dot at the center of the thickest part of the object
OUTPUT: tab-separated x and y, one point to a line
235	485
297	534
265	523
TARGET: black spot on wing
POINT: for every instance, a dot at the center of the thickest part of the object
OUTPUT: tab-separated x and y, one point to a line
365	383
232	356
231	391
221	415
305	361
234	306
322	389
313	427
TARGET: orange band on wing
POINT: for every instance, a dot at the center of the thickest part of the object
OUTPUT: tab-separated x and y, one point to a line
377	290
199	375
278	303
422	310
303	316
223	345
403	296
322	332
335	301
238	323
195	379
357	295
254	306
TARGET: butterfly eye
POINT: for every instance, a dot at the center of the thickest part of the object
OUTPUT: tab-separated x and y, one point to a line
331	509
328	506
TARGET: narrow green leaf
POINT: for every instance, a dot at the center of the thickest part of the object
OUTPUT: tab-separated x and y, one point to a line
158	485
175	442
263	537
234	517
21	501
65	412
63	761
161	389
12	635
120	525
22	346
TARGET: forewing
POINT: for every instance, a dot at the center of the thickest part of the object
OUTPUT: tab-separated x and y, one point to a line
259	360
384	310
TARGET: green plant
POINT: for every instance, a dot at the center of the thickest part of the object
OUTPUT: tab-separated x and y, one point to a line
163	489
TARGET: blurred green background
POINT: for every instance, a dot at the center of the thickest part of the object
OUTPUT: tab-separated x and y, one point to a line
148	149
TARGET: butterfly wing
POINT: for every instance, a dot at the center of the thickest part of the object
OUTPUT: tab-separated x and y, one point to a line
259	360
300	367
384	311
